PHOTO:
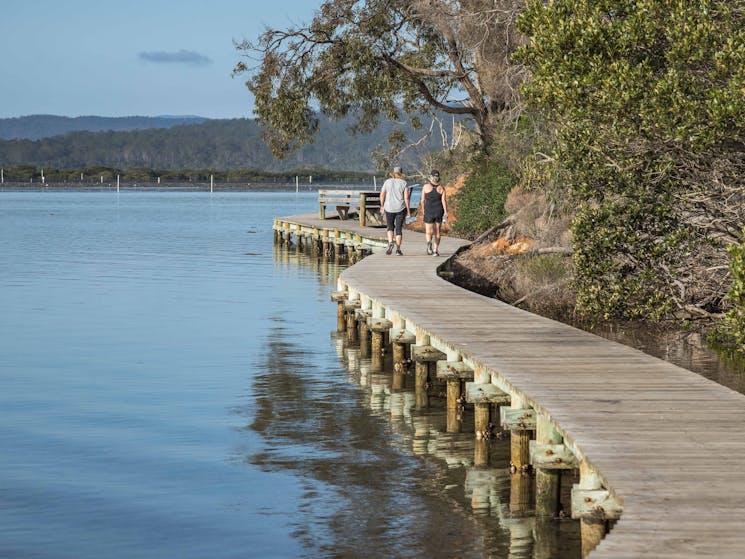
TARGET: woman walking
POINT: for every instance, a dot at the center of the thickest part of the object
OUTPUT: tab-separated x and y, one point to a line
435	205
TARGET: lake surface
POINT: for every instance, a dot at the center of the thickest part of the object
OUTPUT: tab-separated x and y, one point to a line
172	385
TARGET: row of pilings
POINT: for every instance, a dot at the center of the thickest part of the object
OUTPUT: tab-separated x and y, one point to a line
334	246
540	456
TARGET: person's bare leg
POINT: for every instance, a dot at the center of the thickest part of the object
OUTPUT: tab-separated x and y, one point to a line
436	240
428	236
389	250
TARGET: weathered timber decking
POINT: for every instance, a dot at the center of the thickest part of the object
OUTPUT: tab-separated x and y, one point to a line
667	442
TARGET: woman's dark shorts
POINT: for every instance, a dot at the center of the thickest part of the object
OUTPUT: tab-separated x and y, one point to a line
395	221
433	218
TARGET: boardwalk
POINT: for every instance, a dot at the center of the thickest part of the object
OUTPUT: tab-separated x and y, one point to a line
669	444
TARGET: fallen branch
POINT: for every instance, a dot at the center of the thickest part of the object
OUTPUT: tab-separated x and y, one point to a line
550	250
486	234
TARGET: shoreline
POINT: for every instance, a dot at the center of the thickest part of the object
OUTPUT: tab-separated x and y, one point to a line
175	187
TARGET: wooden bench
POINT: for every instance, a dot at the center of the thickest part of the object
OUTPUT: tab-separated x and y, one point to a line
343	201
363	204
351	203
370	209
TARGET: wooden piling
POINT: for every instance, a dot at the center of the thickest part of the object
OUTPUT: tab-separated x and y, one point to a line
521	493
520	420
325	244
350	308
364	331
424	356
483	396
547	480
340	297
379	327
401	340
397	382
481	453
594	506
453	393
481	418
547	538
453	421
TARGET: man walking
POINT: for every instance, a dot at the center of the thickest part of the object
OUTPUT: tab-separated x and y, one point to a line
394	204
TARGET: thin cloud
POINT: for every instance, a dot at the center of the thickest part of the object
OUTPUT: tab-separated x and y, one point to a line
181	57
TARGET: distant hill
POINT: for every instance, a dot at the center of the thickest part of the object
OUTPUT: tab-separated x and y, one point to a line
35	127
218	144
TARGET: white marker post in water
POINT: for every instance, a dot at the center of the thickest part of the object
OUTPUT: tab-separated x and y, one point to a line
117	184
297	183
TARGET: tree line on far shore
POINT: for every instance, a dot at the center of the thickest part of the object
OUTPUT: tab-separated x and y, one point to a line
232	144
94	174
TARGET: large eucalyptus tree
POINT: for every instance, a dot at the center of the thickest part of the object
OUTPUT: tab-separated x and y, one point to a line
375	59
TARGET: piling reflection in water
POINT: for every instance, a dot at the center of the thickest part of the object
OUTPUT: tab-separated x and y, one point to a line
405	442
478	469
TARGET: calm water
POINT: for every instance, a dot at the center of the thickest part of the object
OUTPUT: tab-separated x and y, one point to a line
171	386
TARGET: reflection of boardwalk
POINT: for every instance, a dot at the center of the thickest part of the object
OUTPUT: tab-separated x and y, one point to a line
666	443
478	472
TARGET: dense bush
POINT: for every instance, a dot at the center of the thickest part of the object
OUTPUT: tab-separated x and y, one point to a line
731	332
648	105
480	203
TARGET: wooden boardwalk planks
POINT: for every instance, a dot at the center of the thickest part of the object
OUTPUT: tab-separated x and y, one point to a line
669	443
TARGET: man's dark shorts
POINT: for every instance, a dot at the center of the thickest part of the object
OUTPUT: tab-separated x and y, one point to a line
395	221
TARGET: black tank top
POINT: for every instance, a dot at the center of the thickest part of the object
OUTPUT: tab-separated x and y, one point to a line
433	202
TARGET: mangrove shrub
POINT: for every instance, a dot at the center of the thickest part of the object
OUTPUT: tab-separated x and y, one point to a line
648	99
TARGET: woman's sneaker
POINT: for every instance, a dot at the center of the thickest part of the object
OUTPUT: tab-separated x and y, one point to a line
389	250
398	252
429	247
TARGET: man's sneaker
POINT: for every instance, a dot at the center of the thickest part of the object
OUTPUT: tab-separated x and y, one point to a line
436	253
429	247
398	252
389	250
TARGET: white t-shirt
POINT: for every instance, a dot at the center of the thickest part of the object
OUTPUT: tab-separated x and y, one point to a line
394	195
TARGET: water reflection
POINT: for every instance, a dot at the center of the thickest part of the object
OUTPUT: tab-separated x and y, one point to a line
398	476
685	349
363	495
473	473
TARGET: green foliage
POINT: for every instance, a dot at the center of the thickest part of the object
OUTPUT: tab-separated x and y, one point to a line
380	59
480	203
731	332
638	89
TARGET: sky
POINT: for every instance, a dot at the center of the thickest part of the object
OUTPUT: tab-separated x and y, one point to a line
132	57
